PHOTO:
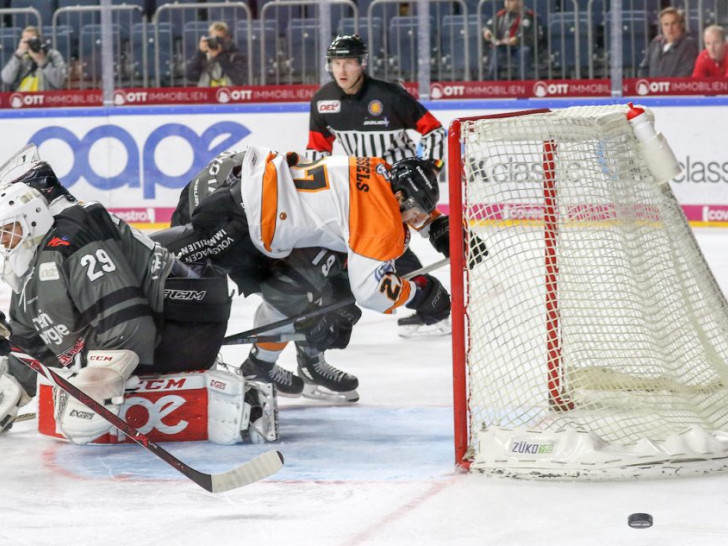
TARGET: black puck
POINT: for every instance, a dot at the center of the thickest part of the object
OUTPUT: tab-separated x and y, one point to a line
639	521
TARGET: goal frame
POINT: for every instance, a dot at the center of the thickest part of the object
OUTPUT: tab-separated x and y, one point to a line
458	271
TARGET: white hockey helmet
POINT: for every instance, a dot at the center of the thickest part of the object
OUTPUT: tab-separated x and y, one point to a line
24	221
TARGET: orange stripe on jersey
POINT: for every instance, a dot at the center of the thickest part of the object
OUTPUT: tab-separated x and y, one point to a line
375	223
403	295
269	203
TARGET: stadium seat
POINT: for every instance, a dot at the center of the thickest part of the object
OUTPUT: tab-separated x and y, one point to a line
44	8
453	46
402	45
164	48
635	38
90	52
263	39
569	40
304	49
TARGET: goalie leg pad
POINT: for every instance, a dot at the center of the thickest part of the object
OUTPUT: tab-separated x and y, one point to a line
240	410
103	379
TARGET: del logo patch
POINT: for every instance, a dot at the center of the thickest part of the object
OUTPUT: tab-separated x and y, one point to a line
375	107
328	106
48	272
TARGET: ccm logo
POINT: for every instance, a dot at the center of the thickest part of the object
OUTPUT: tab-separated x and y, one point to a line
328	106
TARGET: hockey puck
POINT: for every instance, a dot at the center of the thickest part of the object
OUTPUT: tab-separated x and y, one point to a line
639	521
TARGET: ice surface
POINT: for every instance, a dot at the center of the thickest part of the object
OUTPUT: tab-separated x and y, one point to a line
377	472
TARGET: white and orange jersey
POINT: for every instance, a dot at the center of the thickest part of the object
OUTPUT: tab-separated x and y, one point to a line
342	203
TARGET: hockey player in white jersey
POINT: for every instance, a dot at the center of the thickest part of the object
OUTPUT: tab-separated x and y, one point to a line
346	205
102	302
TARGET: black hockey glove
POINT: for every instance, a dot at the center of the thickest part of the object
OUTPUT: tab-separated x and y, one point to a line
440	240
431	301
5	333
332	330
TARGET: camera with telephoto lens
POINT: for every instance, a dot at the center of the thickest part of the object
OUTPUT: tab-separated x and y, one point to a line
214	42
35	44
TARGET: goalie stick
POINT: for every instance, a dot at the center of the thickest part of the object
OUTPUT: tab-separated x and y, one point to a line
254	470
251	336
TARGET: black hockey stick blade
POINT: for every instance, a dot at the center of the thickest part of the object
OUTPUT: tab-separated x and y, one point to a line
258	468
251	336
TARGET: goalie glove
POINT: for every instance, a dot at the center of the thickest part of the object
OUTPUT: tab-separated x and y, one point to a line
104	380
439	234
431	301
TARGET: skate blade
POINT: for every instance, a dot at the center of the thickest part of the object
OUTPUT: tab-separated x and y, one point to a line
317	392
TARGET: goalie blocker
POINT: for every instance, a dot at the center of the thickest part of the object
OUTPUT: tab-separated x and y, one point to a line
214	405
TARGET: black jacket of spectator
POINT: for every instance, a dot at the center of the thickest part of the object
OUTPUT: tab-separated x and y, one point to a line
227	68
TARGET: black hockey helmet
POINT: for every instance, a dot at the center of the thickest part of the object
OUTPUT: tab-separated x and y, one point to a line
42	178
347	46
417	179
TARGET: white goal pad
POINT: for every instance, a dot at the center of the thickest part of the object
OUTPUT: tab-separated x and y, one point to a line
592	340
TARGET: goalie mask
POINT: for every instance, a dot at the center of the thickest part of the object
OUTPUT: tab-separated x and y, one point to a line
347	47
24	221
417	180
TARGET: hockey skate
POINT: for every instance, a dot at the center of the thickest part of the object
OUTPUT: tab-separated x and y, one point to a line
285	382
413	326
324	382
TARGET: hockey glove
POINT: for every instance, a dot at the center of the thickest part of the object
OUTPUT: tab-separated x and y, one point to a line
431	301
440	239
332	330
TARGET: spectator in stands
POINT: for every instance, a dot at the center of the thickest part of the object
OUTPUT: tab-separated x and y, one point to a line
514	36
34	66
711	62
218	62
672	54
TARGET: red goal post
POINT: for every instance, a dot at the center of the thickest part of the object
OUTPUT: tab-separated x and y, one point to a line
592	339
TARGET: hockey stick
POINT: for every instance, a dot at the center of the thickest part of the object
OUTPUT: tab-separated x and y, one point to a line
256	469
251	336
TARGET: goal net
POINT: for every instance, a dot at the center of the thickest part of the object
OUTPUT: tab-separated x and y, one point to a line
591	339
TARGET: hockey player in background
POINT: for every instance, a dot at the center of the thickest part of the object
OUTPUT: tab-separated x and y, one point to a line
333	227
371	117
97	298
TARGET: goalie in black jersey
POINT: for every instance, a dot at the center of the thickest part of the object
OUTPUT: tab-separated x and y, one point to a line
371	117
102	302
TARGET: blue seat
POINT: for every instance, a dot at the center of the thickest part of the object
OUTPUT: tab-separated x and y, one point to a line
191	34
566	37
269	10
228	15
375	42
44	8
452	46
163	48
75	19
260	36
90	51
9	37
177	14
635	37
402	45
304	49
63	41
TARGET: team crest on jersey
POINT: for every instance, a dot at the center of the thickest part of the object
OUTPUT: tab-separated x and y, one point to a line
329	106
58	241
375	107
48	272
383	171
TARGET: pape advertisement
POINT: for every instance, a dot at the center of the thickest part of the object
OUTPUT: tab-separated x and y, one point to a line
136	160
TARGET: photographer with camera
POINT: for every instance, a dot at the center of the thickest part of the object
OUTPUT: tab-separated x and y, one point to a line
34	66
218	62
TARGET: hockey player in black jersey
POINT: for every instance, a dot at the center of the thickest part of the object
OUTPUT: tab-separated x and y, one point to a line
97	298
371	117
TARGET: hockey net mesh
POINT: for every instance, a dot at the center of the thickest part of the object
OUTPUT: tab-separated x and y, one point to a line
594	309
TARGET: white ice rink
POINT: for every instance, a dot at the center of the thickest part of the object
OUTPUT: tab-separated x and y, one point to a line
377	472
